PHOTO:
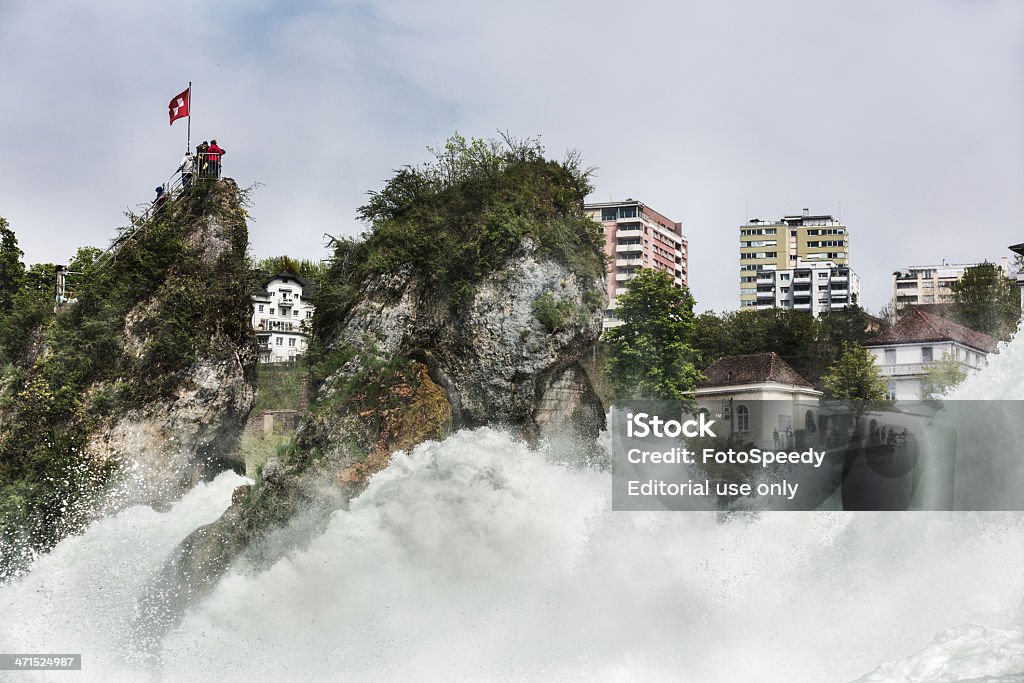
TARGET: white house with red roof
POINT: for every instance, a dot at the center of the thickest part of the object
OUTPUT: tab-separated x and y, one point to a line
917	341
760	398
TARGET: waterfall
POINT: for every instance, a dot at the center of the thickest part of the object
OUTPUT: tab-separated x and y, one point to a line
479	558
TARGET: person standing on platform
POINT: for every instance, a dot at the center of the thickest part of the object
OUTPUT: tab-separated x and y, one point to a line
216	152
187	164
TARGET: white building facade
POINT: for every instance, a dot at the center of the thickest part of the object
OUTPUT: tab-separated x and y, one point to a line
930	284
282	314
760	399
918	341
814	287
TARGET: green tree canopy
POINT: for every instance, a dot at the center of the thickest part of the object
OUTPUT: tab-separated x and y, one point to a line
986	300
649	357
462	216
943	375
311	270
12	270
855	379
810	345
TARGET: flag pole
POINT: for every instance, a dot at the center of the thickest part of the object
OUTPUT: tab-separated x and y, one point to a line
188	141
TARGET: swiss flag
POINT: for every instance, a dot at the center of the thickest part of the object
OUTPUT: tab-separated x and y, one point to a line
178	108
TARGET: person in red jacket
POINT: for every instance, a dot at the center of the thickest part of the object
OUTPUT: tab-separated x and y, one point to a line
216	152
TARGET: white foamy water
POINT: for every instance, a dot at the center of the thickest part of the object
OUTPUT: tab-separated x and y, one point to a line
477	558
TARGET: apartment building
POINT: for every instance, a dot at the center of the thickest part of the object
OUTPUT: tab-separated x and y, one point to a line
282	313
1018	249
782	244
930	284
815	287
636	236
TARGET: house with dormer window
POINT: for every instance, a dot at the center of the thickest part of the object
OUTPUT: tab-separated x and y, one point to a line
282	312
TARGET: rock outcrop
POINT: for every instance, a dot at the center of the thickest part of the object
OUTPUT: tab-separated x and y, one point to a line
470	302
187	428
495	358
412	368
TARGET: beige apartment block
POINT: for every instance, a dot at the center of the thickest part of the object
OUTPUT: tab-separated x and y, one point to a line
792	241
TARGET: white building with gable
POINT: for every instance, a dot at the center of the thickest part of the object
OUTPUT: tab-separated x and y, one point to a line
282	313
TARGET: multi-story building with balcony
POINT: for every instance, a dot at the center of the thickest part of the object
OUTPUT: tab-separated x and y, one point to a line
636	236
781	245
815	287
917	341
282	313
930	284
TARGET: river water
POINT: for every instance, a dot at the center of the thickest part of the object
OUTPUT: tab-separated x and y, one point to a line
478	558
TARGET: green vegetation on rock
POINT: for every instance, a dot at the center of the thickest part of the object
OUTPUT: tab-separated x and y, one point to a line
168	295
461	217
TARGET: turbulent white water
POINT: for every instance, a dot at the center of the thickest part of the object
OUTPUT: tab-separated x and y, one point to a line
477	558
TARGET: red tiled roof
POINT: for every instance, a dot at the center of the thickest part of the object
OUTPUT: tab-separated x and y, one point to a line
752	369
917	325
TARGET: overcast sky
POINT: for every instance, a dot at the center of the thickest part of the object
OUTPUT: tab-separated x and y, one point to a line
906	118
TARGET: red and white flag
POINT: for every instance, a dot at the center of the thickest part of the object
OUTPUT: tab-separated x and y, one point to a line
178	108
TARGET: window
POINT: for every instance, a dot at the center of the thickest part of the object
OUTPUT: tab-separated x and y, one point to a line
291	341
742	418
892	391
295	314
279	341
926	354
784	276
890	356
271	311
260	308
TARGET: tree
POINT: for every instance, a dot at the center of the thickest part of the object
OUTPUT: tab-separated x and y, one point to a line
649	357
942	376
311	270
987	301
12	270
856	382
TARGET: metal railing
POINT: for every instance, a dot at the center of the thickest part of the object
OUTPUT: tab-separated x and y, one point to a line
206	166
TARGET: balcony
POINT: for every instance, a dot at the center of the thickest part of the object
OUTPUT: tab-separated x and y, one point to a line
840	292
840	278
623	277
626	248
635	262
274	326
904	369
802	307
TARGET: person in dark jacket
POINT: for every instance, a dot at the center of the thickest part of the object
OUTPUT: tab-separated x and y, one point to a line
161	197
216	152
203	159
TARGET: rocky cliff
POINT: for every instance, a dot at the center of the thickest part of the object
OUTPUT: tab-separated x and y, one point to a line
140	386
189	428
469	303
